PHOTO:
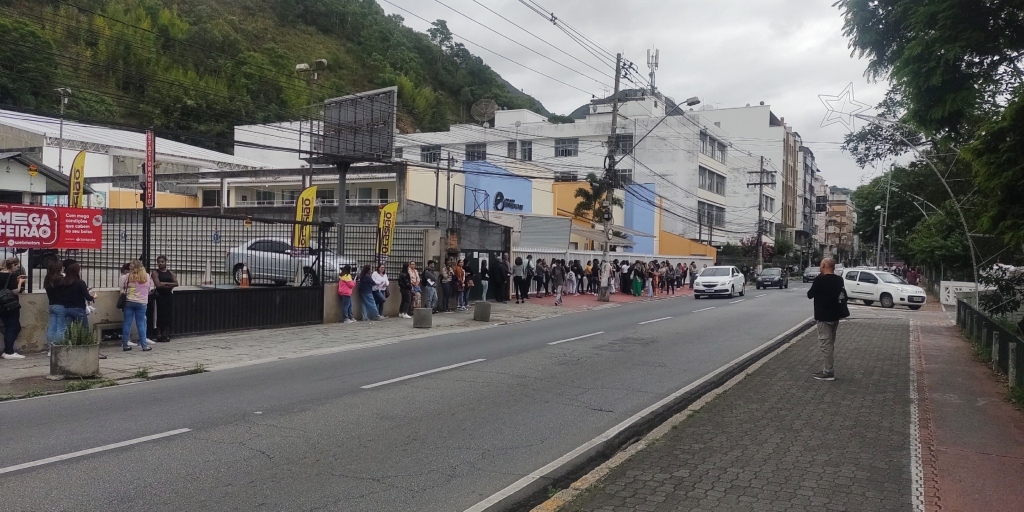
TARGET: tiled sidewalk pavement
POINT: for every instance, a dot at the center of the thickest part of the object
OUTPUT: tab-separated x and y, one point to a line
779	440
235	349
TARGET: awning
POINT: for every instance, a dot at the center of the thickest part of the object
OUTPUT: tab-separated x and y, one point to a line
599	236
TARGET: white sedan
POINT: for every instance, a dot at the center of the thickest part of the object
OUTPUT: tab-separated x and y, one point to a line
721	282
883	287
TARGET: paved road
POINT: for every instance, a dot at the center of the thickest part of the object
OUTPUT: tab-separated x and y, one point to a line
331	433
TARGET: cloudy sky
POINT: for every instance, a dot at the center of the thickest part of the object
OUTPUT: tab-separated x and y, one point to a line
726	52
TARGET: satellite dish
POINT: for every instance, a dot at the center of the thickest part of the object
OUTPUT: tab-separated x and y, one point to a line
484	110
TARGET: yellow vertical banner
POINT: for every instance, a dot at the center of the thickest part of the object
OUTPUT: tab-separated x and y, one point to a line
303	213
76	182
386	230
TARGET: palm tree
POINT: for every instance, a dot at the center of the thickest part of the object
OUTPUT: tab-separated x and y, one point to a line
591	206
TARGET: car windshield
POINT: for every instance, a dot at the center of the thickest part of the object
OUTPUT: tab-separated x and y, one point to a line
716	272
890	278
771	272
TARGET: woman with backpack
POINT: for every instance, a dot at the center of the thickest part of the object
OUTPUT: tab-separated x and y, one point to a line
12	284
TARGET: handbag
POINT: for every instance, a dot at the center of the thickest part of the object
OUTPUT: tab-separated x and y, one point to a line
844	309
9	302
123	297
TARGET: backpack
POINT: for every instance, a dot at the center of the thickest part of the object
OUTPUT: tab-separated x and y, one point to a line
9	302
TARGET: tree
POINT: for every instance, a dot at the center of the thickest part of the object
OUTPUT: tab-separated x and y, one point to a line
591	205
748	247
783	248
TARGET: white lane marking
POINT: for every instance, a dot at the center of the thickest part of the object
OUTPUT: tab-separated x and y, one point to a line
655	320
91	451
576	338
737	301
612	432
762	295
705	309
420	374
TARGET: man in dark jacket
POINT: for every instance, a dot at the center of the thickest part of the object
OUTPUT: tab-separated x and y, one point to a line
827	291
499	276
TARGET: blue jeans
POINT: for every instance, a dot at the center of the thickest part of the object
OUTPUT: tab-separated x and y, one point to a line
79	315
379	299
429	297
137	312
369	307
346	307
55	329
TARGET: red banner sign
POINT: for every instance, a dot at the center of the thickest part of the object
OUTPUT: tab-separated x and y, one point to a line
150	170
24	226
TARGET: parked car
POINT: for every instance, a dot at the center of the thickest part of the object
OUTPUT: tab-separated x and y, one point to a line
719	281
271	259
772	277
872	286
811	273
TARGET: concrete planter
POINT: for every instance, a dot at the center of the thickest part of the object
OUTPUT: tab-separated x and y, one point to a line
75	361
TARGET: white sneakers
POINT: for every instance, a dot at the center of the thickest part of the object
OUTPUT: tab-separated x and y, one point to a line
403	315
348	321
12	356
133	344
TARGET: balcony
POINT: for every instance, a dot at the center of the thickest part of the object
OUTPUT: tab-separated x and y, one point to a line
319	202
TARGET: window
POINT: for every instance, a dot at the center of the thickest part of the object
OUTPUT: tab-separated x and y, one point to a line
712	181
704	143
567	147
210	197
512	150
364	194
767	203
265	196
821	203
476	152
623	143
290	195
868	277
526	150
566	176
721	152
711	214
768	228
325	194
382	195
851	276
430	154
398	153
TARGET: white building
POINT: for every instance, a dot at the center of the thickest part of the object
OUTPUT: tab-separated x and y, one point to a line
111	152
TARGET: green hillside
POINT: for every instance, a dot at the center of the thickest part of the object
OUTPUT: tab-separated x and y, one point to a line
196	68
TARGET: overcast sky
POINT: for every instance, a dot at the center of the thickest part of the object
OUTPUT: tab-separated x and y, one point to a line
726	52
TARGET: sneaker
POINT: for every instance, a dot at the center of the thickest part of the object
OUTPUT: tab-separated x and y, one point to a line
132	344
147	349
126	349
822	375
149	342
13	356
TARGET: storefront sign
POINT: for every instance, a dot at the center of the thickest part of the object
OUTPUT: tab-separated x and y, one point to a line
502	203
45	227
386	230
303	213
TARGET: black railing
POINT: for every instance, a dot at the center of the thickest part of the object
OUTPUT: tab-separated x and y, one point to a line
233	309
994	342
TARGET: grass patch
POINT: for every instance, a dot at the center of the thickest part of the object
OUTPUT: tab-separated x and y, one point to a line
198	368
141	373
84	384
1017	396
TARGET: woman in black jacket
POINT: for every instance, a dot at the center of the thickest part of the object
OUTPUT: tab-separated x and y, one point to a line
405	288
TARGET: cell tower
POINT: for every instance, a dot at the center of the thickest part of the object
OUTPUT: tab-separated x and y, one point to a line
652	63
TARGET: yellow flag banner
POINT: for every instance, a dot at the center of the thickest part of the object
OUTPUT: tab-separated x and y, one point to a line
303	213
386	230
76	183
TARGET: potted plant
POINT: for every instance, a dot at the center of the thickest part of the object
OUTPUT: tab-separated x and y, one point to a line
77	354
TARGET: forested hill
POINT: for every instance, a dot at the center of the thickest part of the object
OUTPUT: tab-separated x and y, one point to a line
200	67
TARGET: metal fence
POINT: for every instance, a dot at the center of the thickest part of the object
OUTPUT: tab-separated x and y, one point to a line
996	343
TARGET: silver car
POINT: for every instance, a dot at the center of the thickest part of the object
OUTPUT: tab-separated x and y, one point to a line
272	259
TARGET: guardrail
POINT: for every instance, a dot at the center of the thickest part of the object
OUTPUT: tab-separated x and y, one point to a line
998	345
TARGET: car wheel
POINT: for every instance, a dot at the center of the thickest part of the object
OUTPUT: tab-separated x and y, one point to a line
914	308
695	296
311	277
236	273
868	302
886	300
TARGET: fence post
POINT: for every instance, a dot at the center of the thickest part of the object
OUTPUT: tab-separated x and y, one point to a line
995	350
1011	364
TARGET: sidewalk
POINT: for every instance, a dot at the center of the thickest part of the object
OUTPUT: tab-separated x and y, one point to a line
779	440
230	350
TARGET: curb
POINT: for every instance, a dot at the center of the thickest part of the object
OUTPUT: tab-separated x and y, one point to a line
531	490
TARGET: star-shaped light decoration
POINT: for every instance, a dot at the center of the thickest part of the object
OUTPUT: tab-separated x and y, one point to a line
842	108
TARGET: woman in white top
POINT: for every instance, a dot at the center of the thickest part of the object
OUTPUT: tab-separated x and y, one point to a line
380	287
135	285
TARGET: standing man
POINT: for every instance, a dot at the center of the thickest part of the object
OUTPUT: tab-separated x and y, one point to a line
558	279
429	286
827	290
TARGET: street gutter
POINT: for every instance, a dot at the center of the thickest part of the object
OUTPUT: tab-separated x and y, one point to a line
534	489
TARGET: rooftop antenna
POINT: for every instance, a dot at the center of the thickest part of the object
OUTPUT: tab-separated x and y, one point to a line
652	63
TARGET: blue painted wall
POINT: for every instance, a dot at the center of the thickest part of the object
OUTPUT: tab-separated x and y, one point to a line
516	191
640	199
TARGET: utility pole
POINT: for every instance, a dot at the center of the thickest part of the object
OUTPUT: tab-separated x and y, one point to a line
609	181
449	201
64	93
342	185
761	173
437	189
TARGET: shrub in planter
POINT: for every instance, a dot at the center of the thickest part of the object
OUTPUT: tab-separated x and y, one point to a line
77	354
